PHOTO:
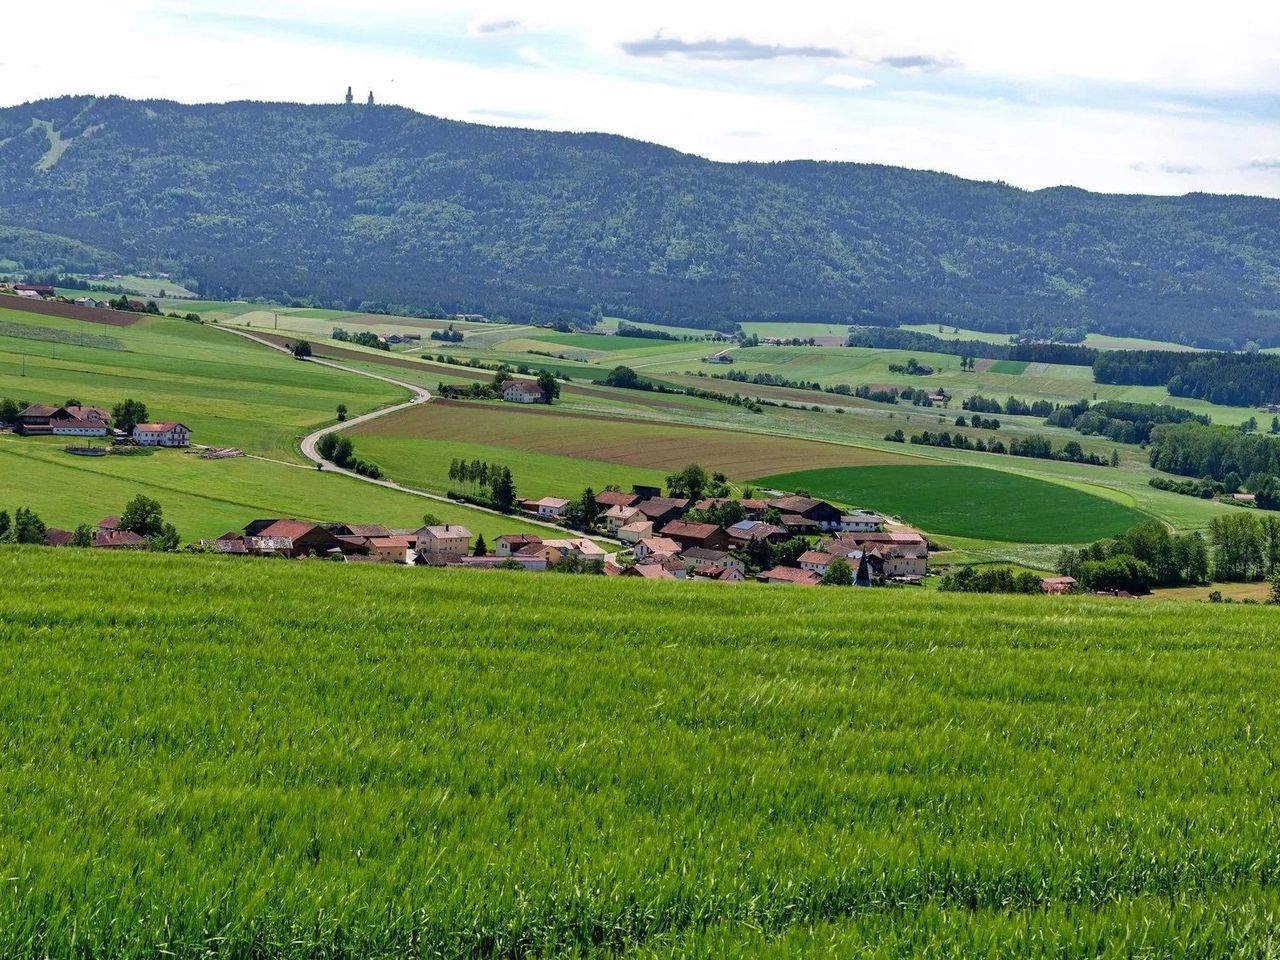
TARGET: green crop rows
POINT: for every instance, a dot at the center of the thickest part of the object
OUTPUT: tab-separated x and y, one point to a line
272	758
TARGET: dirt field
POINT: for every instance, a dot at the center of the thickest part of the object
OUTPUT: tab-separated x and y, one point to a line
660	446
52	308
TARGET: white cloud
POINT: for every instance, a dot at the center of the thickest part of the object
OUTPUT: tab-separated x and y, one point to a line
848	81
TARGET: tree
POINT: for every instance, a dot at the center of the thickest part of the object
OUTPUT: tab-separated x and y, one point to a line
504	491
482	548
839	573
430	520
1273	594
142	516
302	350
83	536
27	527
342	412
128	414
165	540
690	482
549	386
1237	546
588	509
6	524
1115	458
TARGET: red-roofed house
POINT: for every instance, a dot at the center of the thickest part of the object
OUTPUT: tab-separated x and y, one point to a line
165	434
116	539
791	575
656	546
706	535
614	498
510	543
298	538
816	561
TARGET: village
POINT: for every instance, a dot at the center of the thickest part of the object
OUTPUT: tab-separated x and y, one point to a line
812	543
809	538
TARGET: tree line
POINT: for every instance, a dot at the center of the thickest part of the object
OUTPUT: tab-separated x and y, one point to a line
1145	556
1032	351
1230	379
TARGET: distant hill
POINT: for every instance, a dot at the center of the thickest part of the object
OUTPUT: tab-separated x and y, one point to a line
385	208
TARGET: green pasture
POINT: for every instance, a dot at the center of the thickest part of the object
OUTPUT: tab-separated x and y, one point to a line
204	498
255	758
969	501
1058	383
424	464
229	391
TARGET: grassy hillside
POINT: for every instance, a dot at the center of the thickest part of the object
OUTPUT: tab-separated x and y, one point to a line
229	391
358	207
269	758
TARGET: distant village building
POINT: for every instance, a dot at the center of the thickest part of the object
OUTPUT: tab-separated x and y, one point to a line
39	419
522	391
442	543
166	434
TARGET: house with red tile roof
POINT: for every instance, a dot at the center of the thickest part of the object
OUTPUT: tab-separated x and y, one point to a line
790	575
162	434
706	535
616	498
510	543
117	539
656	546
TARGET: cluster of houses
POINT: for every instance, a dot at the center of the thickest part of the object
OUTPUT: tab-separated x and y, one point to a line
41	291
669	546
107	535
665	545
73	420
432	545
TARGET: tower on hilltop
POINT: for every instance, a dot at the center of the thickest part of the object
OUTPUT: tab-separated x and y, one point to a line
371	98
348	96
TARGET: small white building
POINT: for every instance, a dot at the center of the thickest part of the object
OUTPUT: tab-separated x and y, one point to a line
862	521
78	428
550	507
522	391
635	531
161	435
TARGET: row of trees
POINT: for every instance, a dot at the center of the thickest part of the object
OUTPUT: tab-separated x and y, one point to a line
363	338
990	580
1232	379
1014	407
1224	454
489	483
1145	556
1121	421
1036	446
339	450
1032	351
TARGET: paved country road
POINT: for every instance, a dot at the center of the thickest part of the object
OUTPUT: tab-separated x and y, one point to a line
420	395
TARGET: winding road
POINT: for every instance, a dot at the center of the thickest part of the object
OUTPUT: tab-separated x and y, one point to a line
420	395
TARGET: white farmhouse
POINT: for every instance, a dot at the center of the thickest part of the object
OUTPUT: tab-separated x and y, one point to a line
162	435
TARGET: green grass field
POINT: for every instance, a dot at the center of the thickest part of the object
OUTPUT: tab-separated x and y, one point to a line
205	498
279	759
228	390
969	501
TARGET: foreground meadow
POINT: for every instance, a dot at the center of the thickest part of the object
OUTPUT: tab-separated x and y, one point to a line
300	759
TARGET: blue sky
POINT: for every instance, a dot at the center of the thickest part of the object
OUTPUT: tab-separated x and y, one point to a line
1115	96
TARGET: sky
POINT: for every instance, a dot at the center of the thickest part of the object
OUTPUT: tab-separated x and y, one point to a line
1119	96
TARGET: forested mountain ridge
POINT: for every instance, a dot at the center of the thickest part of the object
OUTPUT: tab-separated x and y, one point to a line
382	207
